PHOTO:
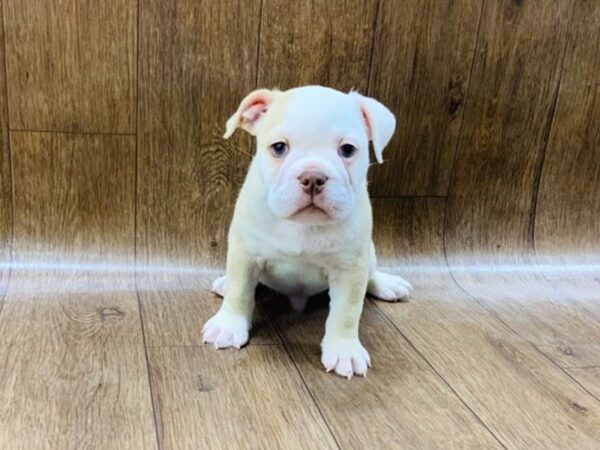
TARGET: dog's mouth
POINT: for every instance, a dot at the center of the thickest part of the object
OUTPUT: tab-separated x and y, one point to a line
312	212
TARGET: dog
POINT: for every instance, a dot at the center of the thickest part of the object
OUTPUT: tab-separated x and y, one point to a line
302	222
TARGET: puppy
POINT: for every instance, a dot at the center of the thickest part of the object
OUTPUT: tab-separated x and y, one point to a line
302	222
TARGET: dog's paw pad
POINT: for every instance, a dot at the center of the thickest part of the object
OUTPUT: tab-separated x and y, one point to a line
346	357
226	330
218	286
389	287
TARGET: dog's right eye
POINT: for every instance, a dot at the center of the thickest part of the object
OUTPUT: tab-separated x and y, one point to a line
347	151
279	149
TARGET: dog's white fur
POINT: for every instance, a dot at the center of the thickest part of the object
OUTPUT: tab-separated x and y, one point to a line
279	239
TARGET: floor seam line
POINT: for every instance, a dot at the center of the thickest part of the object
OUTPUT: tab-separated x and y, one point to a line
497	317
437	373
148	369
279	334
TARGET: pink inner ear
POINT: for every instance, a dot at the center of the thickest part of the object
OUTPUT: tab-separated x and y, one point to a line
255	110
367	124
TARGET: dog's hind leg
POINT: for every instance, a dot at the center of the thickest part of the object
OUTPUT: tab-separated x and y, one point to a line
218	286
388	287
385	286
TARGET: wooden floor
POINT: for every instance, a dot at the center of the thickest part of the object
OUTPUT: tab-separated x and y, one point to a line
101	357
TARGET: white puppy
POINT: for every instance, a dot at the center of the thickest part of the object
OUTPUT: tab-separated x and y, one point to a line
303	222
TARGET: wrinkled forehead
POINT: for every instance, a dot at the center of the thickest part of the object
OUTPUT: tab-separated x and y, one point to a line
318	114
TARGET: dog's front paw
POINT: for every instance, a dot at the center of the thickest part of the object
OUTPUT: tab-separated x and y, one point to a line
388	287
346	357
226	329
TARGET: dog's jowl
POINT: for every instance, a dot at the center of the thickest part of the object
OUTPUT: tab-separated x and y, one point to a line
303	222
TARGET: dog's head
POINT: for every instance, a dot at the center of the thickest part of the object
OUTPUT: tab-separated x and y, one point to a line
313	148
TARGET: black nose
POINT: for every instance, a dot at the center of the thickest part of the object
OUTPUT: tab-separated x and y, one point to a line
312	181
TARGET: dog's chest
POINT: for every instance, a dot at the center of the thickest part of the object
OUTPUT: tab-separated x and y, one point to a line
294	259
290	241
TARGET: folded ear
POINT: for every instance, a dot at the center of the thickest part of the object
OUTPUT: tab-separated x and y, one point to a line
250	111
379	121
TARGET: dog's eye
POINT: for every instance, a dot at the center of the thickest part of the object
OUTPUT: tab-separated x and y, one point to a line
279	149
347	151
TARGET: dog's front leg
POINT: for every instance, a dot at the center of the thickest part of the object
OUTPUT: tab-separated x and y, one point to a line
229	327
341	347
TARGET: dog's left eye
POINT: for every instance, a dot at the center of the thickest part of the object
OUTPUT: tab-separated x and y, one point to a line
279	149
347	151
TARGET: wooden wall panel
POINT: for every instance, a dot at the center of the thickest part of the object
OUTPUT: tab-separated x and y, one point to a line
71	64
197	61
316	42
5	172
511	100
194	73
409	231
568	208
74	197
421	70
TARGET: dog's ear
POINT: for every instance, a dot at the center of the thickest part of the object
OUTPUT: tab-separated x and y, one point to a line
379	121
252	108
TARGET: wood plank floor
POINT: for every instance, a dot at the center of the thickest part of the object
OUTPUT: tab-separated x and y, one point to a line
74	373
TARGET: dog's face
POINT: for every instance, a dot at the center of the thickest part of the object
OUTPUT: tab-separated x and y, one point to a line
313	148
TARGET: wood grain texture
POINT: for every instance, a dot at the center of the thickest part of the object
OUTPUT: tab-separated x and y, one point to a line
5	173
324	42
234	400
73	369
193	74
71	64
563	326
402	403
589	377
421	68
175	307
492	208
567	225
408	232
512	94
74	198
575	309
521	396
